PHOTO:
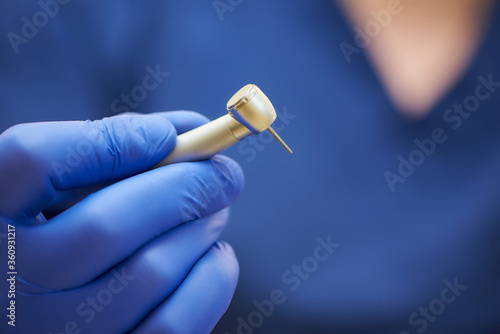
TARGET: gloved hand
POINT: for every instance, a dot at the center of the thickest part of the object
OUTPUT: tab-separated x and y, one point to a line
139	255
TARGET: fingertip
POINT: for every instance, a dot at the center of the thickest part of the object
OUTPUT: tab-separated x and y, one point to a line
231	169
226	250
158	134
217	220
204	295
226	263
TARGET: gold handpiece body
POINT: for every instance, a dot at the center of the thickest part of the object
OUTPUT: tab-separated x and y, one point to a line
249	112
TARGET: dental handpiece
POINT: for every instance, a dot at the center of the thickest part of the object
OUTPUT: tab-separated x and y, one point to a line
249	112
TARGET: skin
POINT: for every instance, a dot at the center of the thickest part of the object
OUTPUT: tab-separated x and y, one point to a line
424	50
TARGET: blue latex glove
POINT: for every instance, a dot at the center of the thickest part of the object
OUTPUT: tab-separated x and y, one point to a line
123	259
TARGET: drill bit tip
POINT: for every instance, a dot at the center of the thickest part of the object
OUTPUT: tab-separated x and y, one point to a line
278	138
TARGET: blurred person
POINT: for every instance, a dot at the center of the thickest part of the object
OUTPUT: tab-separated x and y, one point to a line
385	220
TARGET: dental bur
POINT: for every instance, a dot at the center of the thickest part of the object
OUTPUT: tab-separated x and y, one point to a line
249	112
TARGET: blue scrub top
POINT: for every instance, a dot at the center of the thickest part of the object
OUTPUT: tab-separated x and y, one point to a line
376	224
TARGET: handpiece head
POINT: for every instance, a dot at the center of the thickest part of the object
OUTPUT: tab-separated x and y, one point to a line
252	108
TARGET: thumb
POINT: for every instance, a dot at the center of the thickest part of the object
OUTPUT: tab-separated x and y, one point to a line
37	159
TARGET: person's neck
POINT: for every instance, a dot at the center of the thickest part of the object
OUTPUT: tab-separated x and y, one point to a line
430	10
424	48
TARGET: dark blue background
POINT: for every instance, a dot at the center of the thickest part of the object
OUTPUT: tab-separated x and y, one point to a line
396	249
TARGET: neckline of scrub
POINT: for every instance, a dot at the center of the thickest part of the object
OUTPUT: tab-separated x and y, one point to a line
483	49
